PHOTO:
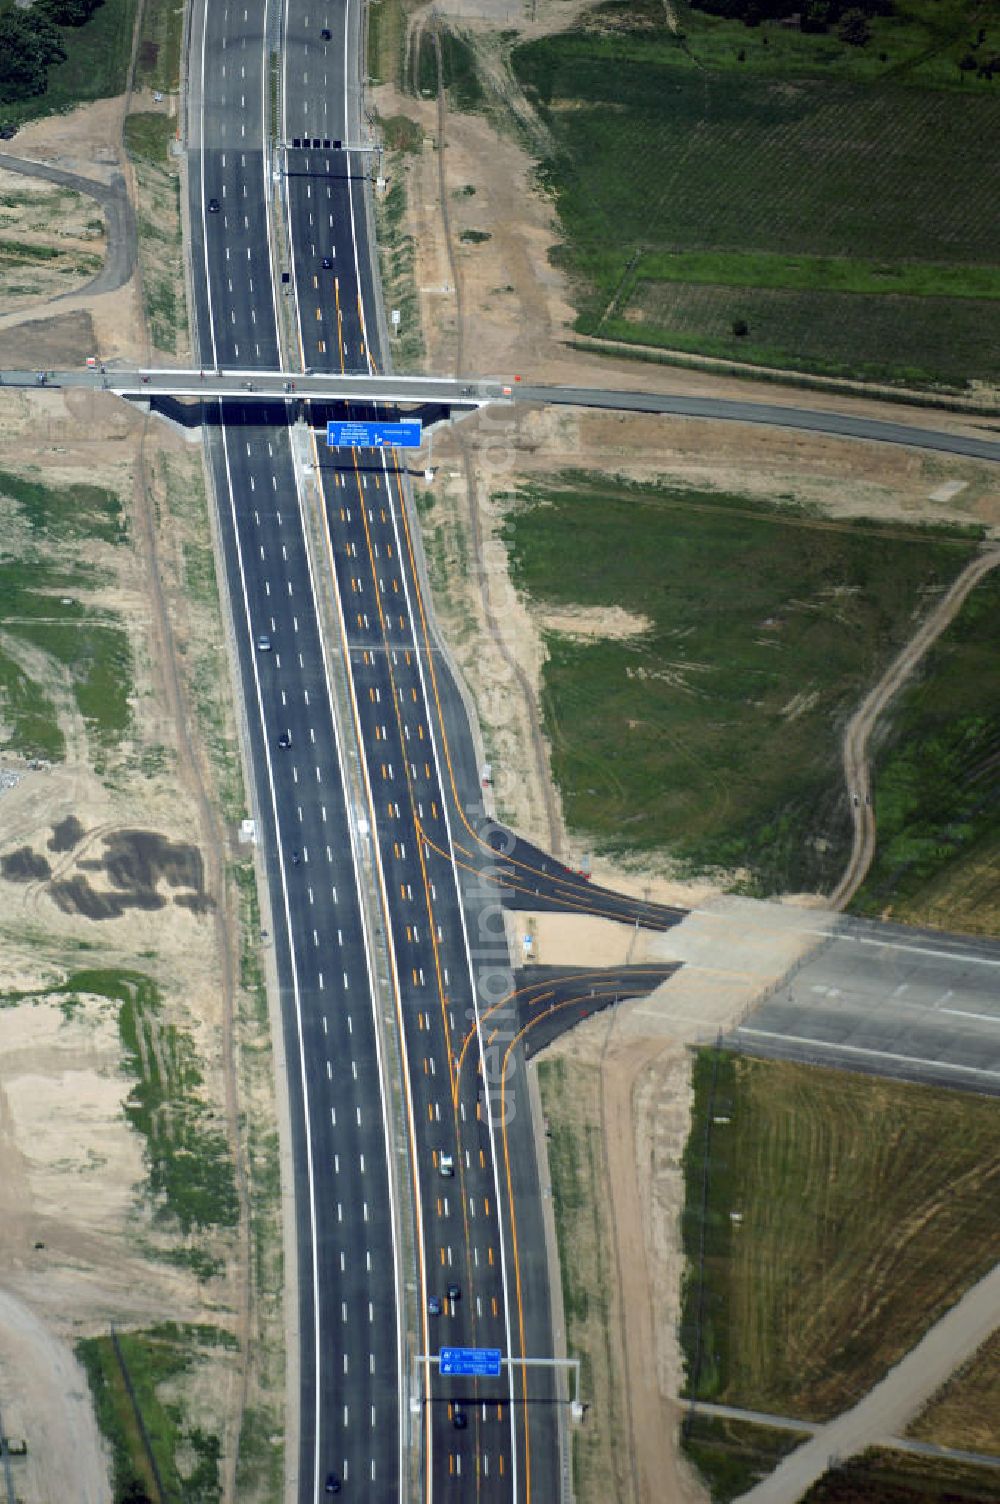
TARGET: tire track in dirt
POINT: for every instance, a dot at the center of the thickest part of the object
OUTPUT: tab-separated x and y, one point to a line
465	448
858	733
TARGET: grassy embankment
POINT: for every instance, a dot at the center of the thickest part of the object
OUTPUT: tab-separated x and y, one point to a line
148	139
937	794
159	1362
401	137
725	176
714	734
865	1209
57	644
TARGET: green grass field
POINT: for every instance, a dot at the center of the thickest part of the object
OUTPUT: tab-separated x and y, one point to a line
866	1208
96	64
919	340
186	1449
157	64
714	734
732	1456
90	647
881	1476
45	595
937	796
810	168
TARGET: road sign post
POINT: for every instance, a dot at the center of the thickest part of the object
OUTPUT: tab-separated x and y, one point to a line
405	434
486	1363
469	1362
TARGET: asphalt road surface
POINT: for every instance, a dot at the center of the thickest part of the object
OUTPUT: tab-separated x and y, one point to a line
350	1341
773	414
477	1199
479	1227
237	377
915	1004
119	220
553	999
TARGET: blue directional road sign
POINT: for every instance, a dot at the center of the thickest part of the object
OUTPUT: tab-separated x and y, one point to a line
470	1362
349	435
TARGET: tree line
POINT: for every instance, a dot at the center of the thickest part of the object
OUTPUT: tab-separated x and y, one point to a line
851	17
32	40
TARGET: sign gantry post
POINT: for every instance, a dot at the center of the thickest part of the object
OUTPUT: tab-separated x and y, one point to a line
486	1363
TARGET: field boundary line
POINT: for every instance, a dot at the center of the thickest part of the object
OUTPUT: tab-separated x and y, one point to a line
600	344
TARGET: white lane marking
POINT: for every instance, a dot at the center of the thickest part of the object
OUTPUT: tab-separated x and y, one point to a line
857	1049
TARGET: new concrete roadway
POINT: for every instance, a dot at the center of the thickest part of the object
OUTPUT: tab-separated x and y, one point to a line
915	1004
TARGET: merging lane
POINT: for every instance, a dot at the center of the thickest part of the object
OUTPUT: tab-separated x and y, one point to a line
475	1438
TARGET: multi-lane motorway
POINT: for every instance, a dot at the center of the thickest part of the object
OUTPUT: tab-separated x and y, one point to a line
348	1273
481	1277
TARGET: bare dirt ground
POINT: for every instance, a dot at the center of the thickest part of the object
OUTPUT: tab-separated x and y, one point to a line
497	305
46	1396
87	141
35	217
79	1246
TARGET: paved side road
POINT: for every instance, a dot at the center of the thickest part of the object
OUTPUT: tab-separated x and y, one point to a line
845	425
886	1409
113	198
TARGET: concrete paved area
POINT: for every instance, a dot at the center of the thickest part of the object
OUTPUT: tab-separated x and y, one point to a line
915	1004
733	951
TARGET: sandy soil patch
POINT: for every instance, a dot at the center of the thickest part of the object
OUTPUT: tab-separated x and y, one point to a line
78	1244
611	622
85	140
45	1395
576	940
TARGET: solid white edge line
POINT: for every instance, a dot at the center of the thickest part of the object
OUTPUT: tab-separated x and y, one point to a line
373	996
353	836
858	1049
461	910
310	1165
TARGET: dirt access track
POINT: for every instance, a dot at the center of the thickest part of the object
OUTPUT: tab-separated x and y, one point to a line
112	858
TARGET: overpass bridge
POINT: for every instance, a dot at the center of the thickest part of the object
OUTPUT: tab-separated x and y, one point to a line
255	386
194	396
